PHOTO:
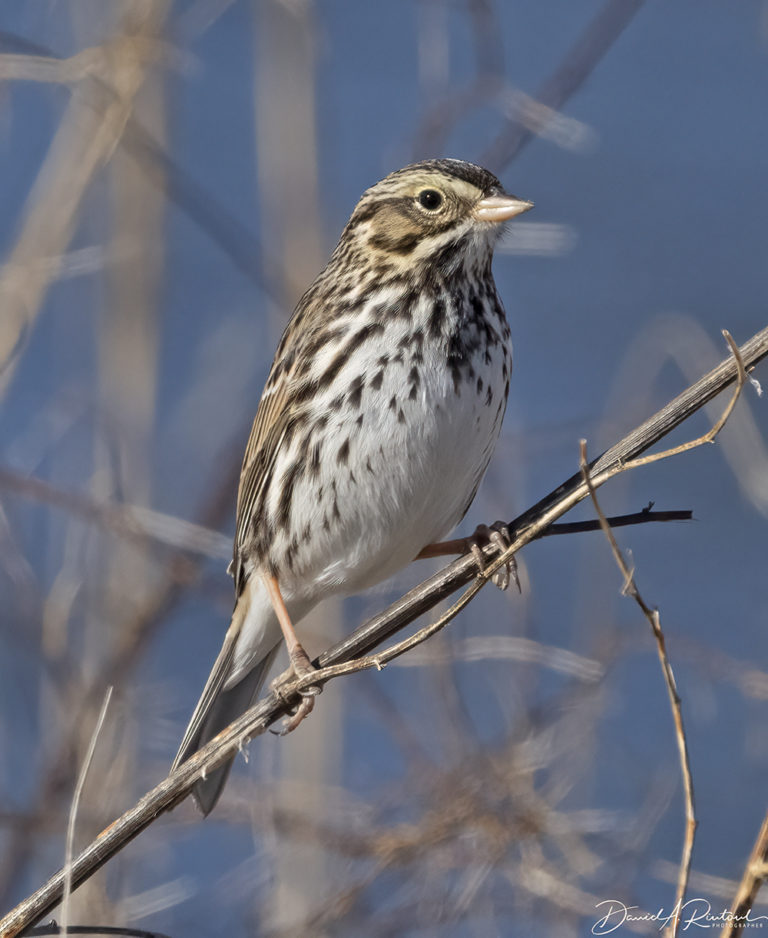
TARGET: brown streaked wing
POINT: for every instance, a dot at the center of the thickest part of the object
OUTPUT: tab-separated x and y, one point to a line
269	426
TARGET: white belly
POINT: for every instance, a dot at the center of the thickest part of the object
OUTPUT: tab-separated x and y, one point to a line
411	468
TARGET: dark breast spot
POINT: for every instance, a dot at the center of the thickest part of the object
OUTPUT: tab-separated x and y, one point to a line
454	365
355	392
436	318
342	356
314	460
286	494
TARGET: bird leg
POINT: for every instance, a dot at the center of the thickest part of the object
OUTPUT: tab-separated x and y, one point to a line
497	534
300	663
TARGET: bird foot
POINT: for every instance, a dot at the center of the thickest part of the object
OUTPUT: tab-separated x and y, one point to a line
498	535
301	667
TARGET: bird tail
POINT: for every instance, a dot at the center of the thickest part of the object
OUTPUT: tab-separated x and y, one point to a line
250	646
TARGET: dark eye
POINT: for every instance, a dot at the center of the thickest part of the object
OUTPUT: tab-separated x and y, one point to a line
430	199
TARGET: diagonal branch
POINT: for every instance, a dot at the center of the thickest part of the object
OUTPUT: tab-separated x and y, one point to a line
755	874
579	63
353	653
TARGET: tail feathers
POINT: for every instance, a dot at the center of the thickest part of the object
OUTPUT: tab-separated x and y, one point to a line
222	708
218	707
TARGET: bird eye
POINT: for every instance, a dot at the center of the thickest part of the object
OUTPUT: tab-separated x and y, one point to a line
430	199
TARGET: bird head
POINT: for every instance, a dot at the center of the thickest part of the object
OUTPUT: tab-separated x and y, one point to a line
444	212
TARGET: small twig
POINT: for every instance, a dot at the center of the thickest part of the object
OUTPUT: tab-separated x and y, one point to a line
459	544
74	808
755	872
617	521
630	589
652	615
234	239
133	522
711	434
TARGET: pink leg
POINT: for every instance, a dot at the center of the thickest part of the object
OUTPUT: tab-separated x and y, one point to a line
497	534
299	658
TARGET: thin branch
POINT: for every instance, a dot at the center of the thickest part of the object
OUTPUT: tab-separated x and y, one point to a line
618	521
76	804
579	63
652	615
351	654
755	872
711	434
233	238
84	141
134	522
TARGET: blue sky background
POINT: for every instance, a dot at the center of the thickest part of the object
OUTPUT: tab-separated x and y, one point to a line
658	242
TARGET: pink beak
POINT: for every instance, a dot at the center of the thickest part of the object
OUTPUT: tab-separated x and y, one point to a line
500	208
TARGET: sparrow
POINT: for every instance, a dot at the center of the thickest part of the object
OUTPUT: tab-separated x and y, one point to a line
376	424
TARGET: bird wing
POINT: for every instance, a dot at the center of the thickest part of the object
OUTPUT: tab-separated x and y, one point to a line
269	426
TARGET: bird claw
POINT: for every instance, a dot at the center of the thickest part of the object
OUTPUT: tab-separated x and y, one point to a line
301	667
299	714
498	535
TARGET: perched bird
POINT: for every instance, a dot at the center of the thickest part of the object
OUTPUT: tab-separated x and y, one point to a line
376	424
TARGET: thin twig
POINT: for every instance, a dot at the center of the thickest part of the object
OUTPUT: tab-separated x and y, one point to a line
574	69
459	545
74	808
617	521
652	615
352	653
711	434
755	872
234	238
133	522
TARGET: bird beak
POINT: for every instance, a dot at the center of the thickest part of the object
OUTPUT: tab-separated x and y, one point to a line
500	208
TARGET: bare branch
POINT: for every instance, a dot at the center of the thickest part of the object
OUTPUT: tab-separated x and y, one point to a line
711	434
134	522
755	872
76	804
652	615
617	521
234	239
586	53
